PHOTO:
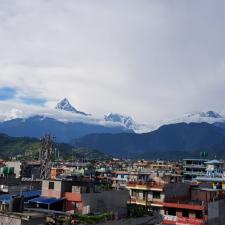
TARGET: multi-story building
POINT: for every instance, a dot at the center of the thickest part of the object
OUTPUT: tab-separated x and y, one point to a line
16	165
204	205
178	203
31	169
193	168
119	179
214	175
80	195
152	195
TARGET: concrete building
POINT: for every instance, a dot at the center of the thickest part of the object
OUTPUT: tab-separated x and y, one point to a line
203	206
193	168
17	167
31	169
119	179
152	195
81	196
214	175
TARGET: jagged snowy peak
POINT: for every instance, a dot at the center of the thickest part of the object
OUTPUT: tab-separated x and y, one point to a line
12	110
199	117
66	106
127	121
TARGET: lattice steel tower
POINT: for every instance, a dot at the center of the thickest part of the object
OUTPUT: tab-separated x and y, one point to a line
46	156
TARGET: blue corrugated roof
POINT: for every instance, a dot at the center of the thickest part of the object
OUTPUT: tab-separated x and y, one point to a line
6	198
28	194
45	200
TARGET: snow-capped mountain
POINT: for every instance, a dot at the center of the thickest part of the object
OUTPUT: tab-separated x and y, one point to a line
66	121
127	121
199	117
66	106
211	114
63	121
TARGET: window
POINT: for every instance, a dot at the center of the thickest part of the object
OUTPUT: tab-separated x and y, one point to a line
172	212
156	194
185	213
199	214
51	185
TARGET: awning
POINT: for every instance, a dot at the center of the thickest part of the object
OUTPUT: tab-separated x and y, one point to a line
45	200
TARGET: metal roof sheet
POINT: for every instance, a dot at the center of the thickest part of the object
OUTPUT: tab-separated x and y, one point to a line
45	200
6	198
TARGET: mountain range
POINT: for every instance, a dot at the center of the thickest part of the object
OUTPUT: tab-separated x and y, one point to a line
28	148
65	122
180	137
38	126
119	135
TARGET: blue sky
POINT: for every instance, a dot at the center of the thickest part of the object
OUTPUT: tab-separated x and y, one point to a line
32	101
7	93
10	94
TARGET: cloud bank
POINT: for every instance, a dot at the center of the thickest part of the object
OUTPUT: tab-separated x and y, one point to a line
149	59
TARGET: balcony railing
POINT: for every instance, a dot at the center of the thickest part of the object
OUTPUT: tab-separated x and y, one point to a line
194	166
136	200
183	220
144	201
182	204
145	185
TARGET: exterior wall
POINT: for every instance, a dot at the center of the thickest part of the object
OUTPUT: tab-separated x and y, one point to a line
66	186
107	201
56	172
56	192
202	195
31	170
17	167
74	202
6	220
32	221
213	210
60	187
216	213
177	190
75	197
72	206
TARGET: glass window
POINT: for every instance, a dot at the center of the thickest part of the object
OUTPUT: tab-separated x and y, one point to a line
172	212
51	185
156	194
185	213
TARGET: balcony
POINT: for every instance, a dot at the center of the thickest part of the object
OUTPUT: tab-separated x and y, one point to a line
146	202
191	205
168	219
152	186
195	166
137	201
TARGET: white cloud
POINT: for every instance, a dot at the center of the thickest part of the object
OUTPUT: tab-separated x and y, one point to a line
149	59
